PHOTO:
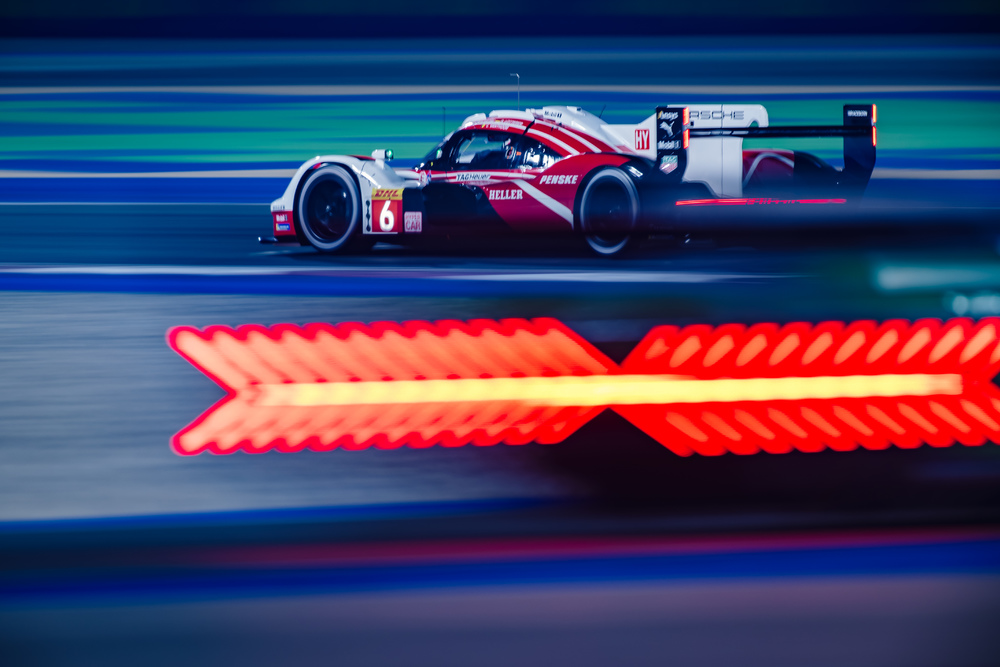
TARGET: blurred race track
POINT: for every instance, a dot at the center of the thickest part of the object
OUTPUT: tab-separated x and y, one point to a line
134	180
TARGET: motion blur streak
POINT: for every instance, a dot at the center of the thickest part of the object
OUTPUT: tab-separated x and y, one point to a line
697	390
752	202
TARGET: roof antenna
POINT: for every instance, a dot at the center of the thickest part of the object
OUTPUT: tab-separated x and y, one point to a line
602	111
518	90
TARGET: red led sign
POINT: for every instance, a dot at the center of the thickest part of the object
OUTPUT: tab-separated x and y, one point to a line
697	390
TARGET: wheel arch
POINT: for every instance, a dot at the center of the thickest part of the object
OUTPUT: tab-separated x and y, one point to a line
597	240
589	176
353	237
303	177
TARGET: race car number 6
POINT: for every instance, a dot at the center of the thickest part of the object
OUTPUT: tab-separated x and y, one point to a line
386	220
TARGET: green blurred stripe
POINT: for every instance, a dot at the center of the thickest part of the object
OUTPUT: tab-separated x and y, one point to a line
294	129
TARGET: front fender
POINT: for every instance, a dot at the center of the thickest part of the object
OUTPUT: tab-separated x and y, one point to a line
370	174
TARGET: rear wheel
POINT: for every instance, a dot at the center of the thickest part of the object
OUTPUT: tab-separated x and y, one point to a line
609	212
329	209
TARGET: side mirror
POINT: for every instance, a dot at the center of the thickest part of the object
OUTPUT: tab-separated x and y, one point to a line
382	154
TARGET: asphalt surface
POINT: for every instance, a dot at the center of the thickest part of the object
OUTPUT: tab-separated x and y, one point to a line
95	394
911	620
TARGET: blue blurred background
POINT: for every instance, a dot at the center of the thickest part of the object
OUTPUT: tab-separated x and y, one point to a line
139	148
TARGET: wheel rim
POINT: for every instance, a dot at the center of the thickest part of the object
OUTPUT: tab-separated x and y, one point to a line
608	214
329	210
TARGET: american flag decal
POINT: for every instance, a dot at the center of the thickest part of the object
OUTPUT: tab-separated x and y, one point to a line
696	390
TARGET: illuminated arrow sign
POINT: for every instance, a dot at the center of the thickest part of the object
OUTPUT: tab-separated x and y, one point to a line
697	390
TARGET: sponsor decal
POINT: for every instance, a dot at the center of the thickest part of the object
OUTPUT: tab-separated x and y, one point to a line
506	194
716	115
562	179
857	112
668	163
282	222
642	140
388	203
466	176
496	125
388	215
672	130
413	221
551	114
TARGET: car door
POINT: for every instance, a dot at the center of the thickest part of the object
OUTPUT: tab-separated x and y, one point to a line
520	199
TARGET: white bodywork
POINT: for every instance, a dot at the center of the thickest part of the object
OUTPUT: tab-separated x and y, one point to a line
715	161
371	175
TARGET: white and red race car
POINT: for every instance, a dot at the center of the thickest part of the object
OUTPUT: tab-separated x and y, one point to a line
563	169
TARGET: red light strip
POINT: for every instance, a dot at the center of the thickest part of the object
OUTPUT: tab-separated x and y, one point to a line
911	413
697	390
258	366
754	202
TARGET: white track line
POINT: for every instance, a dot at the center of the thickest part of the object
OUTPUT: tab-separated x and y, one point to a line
541	276
619	277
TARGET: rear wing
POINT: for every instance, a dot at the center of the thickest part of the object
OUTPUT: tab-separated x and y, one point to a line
674	133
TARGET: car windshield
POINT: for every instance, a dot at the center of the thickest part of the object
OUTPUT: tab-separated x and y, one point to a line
435	153
474	149
483	149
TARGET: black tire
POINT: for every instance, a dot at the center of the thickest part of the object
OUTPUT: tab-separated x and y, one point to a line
330	209
609	212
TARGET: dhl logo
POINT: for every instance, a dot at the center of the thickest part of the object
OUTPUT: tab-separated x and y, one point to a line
696	390
381	194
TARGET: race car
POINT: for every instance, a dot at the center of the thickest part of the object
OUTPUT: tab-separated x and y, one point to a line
562	169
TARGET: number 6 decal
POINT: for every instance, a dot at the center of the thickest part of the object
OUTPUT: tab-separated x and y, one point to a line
389	205
386	219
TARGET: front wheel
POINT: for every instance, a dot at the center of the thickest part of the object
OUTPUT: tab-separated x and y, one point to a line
329	209
609	212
